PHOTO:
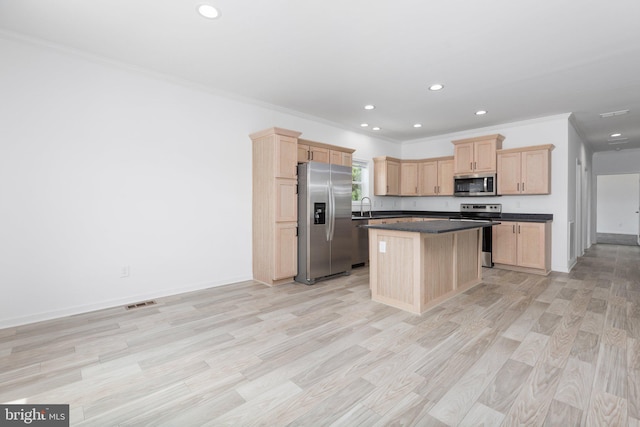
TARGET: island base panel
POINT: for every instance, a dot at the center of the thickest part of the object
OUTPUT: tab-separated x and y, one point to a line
415	271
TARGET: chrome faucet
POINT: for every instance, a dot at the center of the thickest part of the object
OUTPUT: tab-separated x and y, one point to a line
361	202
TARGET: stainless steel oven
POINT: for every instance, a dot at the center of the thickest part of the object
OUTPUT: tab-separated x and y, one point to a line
475	185
482	213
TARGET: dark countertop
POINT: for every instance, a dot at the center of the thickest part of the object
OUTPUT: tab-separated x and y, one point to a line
432	227
521	217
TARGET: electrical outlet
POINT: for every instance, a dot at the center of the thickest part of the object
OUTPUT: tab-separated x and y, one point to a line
125	271
382	247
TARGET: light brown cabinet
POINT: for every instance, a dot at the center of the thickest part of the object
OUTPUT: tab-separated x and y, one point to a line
307	152
285	247
436	177
323	153
337	157
422	177
386	176
275	243
408	178
476	155
525	170
286	200
522	246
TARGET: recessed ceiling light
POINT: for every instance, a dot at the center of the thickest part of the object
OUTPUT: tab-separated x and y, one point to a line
417	125
364	125
369	107
376	128
208	11
614	113
615	135
436	87
481	112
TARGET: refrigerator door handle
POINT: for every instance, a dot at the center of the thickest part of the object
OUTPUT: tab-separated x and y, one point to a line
327	224
332	210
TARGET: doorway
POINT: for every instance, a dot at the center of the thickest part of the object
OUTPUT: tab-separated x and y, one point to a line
618	203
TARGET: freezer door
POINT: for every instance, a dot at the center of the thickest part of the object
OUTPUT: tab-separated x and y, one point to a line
318	248
341	230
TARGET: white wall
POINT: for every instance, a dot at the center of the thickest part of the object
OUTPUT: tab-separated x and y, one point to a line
548	130
103	166
618	202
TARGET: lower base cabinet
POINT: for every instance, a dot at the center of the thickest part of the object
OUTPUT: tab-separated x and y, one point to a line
286	250
522	246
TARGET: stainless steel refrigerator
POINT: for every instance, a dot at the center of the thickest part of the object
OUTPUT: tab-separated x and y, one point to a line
324	221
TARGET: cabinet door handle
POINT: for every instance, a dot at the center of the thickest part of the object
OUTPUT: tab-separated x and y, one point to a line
387	188
513	228
308	154
435	189
518	229
471	165
475	165
518	186
311	155
523	186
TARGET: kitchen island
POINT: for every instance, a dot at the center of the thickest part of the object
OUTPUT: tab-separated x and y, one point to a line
416	265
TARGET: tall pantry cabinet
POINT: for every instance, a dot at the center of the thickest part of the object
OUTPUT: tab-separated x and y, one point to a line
275	214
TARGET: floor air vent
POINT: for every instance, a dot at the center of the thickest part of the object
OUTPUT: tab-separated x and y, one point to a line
139	304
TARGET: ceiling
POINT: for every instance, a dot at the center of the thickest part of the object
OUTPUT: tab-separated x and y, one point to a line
327	59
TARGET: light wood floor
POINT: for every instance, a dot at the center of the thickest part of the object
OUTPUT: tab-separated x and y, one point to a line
517	349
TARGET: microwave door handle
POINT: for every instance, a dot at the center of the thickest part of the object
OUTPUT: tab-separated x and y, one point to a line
486	184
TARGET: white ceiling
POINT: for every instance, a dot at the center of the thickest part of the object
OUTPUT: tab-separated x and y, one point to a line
516	59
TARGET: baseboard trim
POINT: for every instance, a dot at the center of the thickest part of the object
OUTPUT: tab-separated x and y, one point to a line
81	309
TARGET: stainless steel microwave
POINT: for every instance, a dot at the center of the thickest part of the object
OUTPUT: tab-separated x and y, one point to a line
475	185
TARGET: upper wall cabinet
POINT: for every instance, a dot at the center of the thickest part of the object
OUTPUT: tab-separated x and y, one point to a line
435	177
386	176
337	157
323	153
476	155
409	178
420	177
525	170
313	153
